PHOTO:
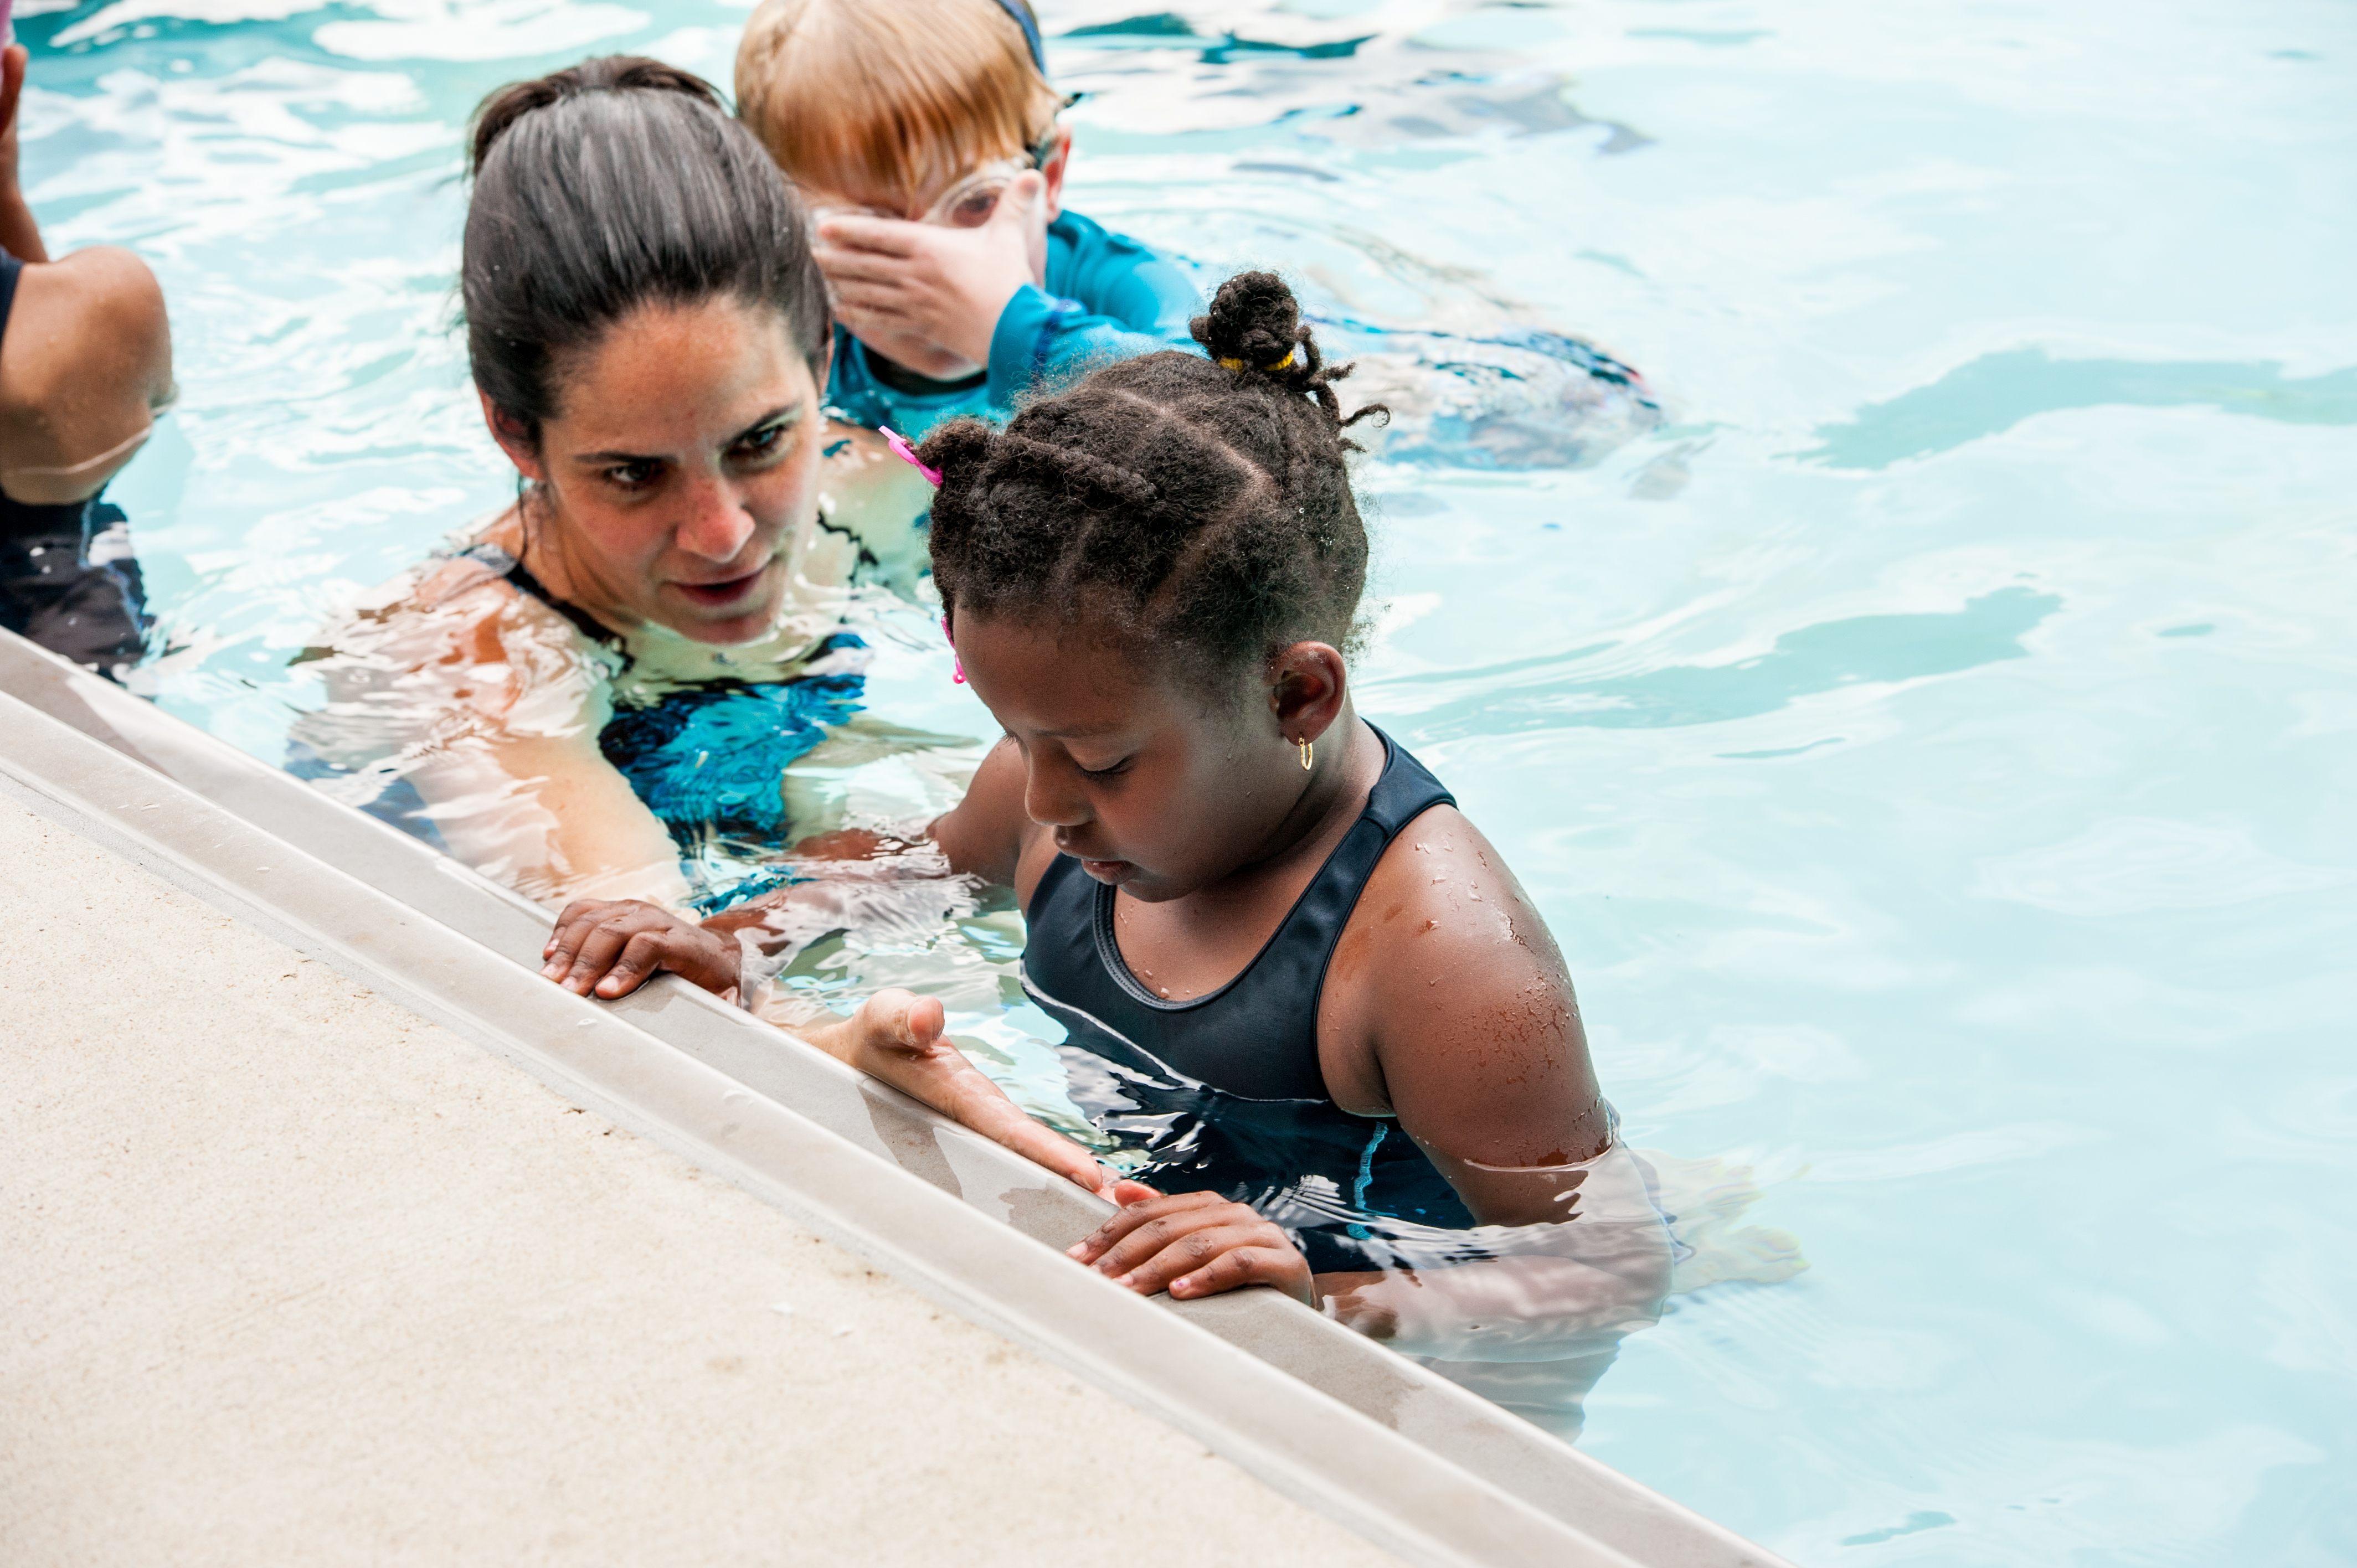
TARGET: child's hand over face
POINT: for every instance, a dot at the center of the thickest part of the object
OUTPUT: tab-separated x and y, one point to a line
929	297
1197	1243
615	945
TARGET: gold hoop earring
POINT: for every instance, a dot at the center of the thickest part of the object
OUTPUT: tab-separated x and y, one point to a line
1304	744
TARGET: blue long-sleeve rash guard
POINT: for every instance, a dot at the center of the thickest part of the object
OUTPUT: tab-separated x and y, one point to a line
1107	298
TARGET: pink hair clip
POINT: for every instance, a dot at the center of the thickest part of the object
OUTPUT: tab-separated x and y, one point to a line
899	444
959	673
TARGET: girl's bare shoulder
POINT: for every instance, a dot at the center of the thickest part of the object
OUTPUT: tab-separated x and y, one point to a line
1442	937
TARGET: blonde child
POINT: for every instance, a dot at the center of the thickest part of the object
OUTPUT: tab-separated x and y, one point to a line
922	135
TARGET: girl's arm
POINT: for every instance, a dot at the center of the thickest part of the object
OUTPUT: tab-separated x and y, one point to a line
1449	1006
608	949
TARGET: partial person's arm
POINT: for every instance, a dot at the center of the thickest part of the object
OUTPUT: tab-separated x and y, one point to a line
1449	1005
86	362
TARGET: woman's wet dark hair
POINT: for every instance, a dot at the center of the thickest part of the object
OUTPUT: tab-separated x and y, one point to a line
618	183
1199	507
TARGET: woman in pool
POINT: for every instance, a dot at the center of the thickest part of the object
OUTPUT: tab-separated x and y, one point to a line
1308	984
612	676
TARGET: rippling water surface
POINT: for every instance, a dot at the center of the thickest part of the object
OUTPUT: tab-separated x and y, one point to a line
1927	713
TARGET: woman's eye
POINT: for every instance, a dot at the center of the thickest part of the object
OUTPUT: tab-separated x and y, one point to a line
760	443
634	476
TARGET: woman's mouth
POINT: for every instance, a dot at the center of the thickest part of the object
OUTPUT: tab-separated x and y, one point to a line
718	596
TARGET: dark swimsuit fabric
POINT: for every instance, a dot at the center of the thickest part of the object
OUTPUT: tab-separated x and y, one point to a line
1224	1091
67	577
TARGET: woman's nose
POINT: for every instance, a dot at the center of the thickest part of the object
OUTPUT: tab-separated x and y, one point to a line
717	525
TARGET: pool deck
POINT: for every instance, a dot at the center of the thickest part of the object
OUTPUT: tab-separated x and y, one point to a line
298	1275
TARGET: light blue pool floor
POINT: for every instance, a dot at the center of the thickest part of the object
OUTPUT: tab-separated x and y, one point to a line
1932	742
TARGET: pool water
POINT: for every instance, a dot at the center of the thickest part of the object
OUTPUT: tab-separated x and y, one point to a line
1925	709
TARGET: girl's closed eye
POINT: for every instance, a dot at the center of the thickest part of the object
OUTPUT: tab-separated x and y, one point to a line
1112	770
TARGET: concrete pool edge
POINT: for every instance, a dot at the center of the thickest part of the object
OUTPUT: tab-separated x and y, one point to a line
1412	1462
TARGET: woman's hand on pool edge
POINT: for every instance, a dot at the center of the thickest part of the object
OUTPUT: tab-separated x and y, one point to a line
609	947
897	1037
1193	1244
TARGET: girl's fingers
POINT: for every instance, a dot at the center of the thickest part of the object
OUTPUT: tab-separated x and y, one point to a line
579	919
1281	1267
1137	1234
641	956
595	955
1199	1251
1134	1212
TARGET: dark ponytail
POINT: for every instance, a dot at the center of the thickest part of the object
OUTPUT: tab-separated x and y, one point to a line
618	183
1199	508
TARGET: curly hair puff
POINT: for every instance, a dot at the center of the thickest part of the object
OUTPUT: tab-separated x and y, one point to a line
1197	507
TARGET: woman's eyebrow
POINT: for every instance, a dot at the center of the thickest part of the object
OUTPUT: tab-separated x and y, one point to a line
600	459
787	410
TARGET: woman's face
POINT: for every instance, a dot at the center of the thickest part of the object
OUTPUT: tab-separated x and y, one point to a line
1150	788
681	465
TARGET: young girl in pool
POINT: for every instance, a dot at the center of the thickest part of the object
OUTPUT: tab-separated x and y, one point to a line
1300	975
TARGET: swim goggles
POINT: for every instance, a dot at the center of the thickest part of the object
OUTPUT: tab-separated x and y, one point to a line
968	204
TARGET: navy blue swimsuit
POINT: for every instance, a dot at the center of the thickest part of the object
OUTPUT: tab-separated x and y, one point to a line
1224	1091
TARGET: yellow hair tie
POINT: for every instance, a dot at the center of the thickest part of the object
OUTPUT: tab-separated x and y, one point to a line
1272	367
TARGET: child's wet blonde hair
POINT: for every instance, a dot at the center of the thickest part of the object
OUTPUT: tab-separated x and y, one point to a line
889	100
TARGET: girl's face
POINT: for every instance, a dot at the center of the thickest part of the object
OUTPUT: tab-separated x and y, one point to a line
1153	790
682	466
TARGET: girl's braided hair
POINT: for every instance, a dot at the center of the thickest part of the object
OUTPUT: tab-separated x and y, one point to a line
1200	506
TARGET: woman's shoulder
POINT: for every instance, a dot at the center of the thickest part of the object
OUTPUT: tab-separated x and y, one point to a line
457	611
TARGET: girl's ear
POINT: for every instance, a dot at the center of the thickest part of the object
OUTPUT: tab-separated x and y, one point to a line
1059	158
1309	685
515	439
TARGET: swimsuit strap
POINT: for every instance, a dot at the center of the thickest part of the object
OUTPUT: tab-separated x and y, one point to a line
10	269
493	558
1256	1037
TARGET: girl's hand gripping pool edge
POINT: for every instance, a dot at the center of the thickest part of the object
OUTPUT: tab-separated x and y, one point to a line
611	946
1193	1244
